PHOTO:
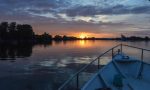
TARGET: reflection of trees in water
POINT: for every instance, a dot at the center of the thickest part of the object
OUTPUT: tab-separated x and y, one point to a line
45	44
11	51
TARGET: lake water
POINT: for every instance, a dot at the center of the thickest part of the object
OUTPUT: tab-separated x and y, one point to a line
46	67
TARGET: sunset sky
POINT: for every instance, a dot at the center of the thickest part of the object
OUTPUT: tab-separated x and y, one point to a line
99	18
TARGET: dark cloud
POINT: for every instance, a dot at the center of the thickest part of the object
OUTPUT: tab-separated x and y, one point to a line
29	3
37	6
118	9
139	33
142	9
61	6
81	11
30	11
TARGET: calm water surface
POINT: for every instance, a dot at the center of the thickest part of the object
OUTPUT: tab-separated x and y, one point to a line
46	67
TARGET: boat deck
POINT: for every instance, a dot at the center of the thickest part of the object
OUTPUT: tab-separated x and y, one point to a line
134	75
121	73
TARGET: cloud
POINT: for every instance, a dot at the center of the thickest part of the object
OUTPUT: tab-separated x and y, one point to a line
71	8
77	15
118	9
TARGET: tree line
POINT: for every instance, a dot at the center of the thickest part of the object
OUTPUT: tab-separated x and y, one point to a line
134	38
13	51
13	32
10	32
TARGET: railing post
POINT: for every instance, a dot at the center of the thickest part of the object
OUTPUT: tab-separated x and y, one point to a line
121	48
112	53
141	69
77	81
142	55
98	63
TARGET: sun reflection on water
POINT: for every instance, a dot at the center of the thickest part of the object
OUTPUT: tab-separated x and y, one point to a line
85	43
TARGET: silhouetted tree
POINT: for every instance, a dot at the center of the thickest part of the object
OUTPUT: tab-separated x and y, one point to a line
18	28
12	31
146	38
25	32
65	37
69	38
16	32
47	37
43	39
28	32
4	30
58	37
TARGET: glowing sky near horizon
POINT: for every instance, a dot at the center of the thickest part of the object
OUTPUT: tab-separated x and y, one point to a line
99	18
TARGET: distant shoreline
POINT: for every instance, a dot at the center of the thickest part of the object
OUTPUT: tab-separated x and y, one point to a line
23	33
34	41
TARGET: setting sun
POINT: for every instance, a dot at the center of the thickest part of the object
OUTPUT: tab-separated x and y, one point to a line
83	35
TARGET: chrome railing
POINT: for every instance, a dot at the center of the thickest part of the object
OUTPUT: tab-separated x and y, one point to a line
112	50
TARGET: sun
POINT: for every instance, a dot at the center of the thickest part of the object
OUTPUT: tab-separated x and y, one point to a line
83	35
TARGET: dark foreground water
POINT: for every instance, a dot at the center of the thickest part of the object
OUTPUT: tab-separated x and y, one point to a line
46	67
